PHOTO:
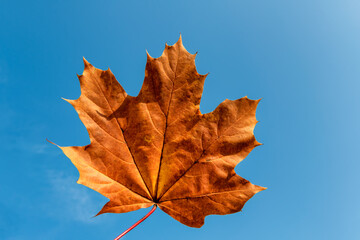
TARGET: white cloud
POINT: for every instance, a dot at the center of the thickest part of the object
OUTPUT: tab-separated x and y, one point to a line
26	145
72	199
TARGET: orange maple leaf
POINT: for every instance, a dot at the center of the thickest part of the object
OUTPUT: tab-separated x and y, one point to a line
157	148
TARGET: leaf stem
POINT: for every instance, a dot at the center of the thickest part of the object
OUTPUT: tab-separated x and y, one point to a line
137	223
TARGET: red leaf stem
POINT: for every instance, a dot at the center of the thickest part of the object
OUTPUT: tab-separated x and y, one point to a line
137	223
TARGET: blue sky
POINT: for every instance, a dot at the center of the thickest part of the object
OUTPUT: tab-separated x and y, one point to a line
301	57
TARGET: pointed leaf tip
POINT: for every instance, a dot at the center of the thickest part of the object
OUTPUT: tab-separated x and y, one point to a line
149	57
68	100
52	143
179	41
86	63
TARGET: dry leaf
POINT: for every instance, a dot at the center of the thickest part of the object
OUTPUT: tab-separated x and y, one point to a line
157	148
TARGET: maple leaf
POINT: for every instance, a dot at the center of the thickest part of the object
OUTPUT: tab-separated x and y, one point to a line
157	148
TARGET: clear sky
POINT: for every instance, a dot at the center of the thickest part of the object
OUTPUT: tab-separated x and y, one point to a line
301	57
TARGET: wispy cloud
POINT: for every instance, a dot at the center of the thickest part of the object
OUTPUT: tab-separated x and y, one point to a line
22	144
74	199
21	138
